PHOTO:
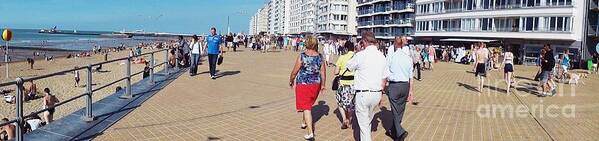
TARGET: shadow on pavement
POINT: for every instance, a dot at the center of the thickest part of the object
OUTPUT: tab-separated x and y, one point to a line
227	73
472	88
320	110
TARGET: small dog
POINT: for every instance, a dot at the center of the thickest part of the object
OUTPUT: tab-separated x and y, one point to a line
574	77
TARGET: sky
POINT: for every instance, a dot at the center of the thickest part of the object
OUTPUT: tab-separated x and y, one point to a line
174	16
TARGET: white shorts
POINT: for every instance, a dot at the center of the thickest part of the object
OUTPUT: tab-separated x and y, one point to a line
229	44
565	68
431	58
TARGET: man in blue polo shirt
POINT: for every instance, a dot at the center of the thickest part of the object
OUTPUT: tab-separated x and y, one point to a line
214	49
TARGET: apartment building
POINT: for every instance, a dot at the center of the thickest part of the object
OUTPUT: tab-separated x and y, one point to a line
259	22
337	17
386	18
523	25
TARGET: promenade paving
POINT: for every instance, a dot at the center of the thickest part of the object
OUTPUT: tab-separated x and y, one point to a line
252	101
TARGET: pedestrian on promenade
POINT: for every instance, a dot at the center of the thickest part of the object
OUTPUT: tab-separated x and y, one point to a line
481	60
508	68
214	50
327	51
345	92
547	65
431	56
369	67
184	49
49	101
195	47
229	41
565	64
400	66
417	60
424	53
308	76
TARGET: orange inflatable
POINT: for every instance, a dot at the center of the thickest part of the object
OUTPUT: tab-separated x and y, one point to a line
6	35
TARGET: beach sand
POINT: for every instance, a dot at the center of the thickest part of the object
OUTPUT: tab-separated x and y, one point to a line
63	86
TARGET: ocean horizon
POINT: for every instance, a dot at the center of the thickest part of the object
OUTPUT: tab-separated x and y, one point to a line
31	38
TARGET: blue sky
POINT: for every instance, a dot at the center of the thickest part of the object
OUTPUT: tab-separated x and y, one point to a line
180	16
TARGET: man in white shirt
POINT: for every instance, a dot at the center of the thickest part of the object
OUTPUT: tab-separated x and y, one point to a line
370	71
399	64
327	52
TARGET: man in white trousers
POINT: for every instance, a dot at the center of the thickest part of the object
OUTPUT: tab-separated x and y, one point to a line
370	73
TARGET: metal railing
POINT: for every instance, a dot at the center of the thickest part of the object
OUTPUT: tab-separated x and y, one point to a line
88	116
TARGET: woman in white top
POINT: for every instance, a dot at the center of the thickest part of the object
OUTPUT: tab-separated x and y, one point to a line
508	68
196	49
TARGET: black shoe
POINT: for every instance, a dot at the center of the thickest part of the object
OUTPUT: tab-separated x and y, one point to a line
391	134
403	136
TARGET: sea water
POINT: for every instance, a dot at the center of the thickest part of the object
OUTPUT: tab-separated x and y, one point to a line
31	38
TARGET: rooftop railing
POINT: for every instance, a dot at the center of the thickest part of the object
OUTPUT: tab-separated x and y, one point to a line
19	120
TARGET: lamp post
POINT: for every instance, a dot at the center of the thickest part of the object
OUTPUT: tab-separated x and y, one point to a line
6	36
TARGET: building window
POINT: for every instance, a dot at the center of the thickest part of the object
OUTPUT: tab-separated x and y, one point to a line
468	25
557	24
530	23
486	24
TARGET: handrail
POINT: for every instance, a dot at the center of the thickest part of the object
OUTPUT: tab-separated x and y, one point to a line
89	91
9	122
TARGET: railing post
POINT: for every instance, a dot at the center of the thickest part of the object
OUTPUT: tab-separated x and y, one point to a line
19	114
127	94
177	58
166	61
153	64
88	100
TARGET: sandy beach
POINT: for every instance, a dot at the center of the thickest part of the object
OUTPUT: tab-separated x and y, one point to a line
63	86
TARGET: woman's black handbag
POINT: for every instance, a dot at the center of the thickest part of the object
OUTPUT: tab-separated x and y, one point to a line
220	60
336	80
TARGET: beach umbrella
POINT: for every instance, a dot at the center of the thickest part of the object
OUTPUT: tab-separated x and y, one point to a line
7	35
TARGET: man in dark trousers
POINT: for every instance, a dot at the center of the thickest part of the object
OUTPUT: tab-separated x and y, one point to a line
184	50
400	67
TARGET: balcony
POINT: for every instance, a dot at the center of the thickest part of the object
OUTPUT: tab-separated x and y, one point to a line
364	12
382	9
500	7
594	5
364	23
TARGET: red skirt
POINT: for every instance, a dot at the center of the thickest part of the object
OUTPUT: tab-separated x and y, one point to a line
305	96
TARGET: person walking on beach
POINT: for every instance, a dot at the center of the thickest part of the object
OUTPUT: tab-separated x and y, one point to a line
481	60
308	76
196	47
214	50
400	66
345	92
508	68
49	101
77	78
369	67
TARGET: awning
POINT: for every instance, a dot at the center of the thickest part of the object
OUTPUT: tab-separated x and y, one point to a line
467	40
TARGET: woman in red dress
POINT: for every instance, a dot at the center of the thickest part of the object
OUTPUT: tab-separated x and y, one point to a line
308	76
